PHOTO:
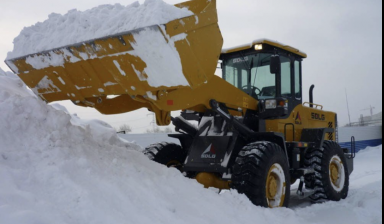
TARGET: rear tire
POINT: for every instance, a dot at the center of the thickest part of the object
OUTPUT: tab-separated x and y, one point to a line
261	172
331	179
167	154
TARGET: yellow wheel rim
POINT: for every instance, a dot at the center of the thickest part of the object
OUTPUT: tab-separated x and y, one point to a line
173	163
337	174
272	187
276	186
334	173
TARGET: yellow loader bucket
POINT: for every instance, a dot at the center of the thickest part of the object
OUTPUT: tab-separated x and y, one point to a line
139	66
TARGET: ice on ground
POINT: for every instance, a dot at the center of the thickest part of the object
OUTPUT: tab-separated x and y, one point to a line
77	26
58	168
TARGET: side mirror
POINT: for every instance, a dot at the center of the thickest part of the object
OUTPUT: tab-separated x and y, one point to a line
275	64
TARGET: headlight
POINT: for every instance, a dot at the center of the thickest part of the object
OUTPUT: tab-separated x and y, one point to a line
258	47
270	104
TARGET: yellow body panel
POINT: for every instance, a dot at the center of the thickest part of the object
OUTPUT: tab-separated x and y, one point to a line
303	117
177	99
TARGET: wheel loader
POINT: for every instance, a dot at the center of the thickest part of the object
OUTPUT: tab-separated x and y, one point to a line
254	134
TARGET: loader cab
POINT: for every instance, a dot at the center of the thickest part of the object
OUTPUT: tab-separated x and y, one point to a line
249	69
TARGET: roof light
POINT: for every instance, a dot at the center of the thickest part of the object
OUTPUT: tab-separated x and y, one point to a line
258	47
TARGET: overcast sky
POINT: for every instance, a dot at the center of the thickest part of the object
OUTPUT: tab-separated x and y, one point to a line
343	40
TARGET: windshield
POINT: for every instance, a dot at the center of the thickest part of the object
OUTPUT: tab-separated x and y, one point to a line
252	75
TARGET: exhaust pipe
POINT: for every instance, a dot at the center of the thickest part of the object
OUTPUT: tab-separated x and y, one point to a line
311	96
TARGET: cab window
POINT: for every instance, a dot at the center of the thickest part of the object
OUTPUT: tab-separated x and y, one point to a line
298	88
252	74
231	75
286	87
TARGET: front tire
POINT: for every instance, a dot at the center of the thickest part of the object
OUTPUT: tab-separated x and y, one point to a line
331	179
261	172
167	154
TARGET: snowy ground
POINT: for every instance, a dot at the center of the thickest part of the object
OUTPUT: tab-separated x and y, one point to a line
57	168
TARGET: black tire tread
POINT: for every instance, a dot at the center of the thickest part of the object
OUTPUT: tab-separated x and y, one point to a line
250	167
318	160
165	152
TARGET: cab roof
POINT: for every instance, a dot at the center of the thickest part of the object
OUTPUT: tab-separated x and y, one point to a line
265	41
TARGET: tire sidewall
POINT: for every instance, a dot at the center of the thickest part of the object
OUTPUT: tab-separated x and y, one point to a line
251	169
278	158
333	149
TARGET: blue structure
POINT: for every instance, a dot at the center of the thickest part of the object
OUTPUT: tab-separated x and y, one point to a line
365	136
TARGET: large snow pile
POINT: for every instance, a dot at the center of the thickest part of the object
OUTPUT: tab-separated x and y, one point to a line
76	26
57	168
163	63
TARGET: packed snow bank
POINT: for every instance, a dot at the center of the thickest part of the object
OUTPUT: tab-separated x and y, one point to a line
76	26
144	140
59	169
10	83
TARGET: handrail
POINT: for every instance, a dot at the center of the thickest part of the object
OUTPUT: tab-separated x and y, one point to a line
317	105
353	147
